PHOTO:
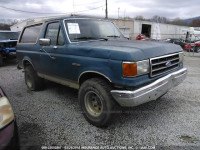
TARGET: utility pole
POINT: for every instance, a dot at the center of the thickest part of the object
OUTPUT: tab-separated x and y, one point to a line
118	13
124	16
118	16
106	10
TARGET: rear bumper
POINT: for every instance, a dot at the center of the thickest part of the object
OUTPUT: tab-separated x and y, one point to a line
149	92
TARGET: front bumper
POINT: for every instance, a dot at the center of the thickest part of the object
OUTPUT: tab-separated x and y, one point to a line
9	137
11	55
149	92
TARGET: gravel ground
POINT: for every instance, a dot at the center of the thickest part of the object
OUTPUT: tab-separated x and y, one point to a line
52	117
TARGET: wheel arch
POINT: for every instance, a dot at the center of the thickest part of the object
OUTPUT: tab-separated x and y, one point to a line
27	61
92	74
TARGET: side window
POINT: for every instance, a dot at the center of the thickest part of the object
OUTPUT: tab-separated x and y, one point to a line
54	33
30	34
60	38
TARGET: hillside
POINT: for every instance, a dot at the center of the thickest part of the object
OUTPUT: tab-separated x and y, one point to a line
191	19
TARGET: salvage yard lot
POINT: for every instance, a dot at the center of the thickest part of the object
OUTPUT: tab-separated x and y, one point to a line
52	116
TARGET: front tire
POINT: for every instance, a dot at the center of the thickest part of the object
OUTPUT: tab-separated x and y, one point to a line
32	80
96	102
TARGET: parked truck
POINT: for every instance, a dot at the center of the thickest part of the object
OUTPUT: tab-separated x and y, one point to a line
191	35
91	55
8	42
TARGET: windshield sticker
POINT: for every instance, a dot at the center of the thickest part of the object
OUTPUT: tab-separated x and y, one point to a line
73	28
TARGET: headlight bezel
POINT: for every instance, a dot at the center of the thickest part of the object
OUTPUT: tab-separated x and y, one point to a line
138	66
181	57
6	112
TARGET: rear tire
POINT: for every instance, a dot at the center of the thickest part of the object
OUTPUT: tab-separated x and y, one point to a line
198	49
32	80
96	102
1	60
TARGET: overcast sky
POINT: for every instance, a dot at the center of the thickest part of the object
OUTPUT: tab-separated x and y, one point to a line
147	8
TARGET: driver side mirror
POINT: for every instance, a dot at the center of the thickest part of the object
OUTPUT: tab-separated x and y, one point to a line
45	42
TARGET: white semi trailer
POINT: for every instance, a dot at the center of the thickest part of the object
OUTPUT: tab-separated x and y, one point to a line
190	35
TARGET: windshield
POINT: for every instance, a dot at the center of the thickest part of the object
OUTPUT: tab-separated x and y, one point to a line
9	35
88	29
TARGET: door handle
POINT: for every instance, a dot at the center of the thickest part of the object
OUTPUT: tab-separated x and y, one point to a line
53	58
55	47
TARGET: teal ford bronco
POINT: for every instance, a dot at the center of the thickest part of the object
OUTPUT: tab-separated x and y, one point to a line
91	55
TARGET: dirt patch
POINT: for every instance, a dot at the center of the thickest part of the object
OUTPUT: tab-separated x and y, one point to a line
189	139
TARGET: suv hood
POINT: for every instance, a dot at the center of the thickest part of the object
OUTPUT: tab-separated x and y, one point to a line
125	49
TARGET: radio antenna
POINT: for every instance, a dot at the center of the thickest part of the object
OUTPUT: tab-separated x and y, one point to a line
73	7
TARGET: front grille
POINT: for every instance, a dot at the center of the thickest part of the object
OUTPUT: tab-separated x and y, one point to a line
163	64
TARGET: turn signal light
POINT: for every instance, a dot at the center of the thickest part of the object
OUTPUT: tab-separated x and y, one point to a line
129	69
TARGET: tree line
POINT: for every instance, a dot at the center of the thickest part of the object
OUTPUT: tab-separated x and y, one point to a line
176	21
6	26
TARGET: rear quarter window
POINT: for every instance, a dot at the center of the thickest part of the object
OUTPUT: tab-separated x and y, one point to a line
30	34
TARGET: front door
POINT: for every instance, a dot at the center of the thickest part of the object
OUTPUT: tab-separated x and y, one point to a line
52	57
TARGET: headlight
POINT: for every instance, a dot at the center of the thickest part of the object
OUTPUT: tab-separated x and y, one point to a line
131	69
6	112
181	57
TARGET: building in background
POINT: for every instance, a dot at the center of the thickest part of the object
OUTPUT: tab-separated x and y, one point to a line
130	28
125	25
150	29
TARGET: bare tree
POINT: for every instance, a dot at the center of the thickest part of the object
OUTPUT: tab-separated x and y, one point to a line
4	27
159	19
178	21
195	23
139	18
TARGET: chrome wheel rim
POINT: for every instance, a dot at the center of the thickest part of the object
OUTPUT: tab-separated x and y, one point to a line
93	103
28	81
198	50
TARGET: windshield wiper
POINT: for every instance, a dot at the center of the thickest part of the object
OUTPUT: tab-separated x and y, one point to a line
113	36
90	38
85	38
102	38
